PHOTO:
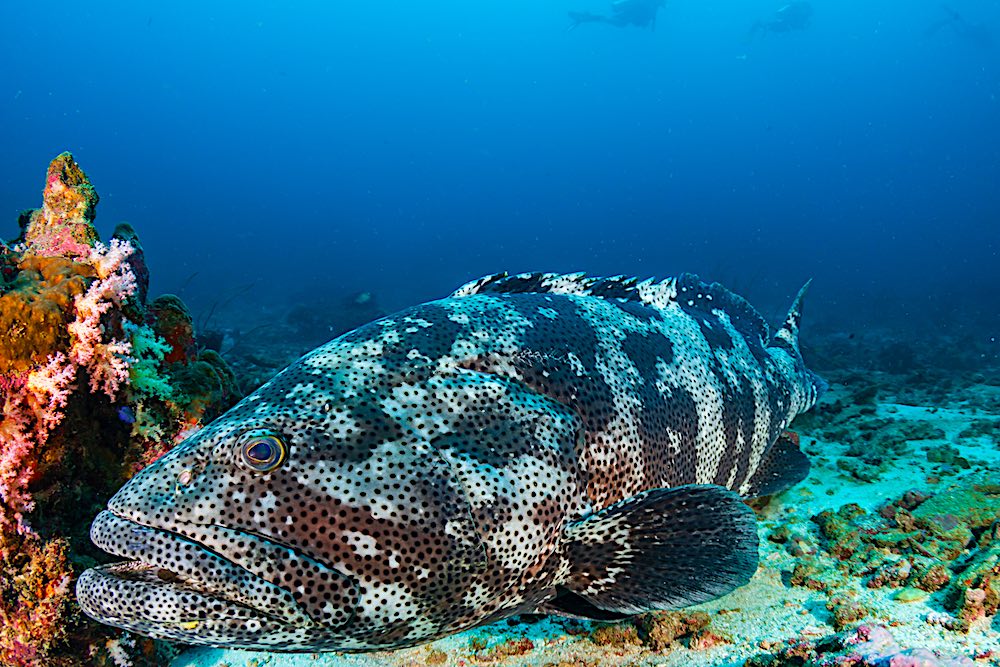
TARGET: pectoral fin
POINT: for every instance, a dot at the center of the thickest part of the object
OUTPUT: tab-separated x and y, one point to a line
661	549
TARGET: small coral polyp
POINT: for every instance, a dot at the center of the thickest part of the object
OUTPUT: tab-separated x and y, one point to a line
78	346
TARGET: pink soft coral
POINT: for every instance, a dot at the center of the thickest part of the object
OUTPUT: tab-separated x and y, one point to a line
33	403
30	413
106	358
48	388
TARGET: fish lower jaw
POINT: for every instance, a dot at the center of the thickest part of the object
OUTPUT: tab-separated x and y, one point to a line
140	592
175	581
133	596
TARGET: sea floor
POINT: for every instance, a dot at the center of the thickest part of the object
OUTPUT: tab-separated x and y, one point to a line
903	470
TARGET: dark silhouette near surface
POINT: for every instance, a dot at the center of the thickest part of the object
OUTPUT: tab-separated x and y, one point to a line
793	16
975	34
638	13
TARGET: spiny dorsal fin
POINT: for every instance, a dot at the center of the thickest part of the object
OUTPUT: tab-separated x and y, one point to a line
656	294
688	291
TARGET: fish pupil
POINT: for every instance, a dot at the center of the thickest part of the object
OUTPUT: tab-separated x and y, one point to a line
262	452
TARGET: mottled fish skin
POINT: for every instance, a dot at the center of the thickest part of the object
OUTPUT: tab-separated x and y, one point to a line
436	459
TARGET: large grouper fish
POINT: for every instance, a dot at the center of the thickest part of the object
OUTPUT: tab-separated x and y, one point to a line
532	443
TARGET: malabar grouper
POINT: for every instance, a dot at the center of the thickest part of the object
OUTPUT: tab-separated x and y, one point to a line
532	443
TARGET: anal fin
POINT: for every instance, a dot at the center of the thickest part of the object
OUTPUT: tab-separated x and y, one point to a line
661	549
783	467
568	603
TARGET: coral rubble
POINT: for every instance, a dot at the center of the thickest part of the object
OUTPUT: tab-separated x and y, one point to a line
661	631
95	383
948	541
866	646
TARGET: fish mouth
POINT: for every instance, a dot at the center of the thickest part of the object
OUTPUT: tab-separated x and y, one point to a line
207	584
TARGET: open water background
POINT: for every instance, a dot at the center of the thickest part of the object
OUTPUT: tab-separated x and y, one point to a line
296	151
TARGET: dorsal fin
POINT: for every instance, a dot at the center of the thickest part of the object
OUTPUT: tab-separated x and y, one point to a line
788	335
655	294
687	290
693	292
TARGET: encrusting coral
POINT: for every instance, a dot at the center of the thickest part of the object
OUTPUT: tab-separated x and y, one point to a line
91	392
63	226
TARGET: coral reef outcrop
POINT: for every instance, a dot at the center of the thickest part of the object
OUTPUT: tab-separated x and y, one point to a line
95	383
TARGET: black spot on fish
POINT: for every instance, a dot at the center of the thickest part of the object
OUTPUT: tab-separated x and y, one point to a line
646	351
374	428
532	282
738	414
478	446
782	344
611	288
779	398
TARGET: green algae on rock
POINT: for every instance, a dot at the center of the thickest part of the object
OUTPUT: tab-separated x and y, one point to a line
918	543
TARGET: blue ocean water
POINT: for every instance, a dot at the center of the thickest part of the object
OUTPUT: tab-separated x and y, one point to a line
404	147
279	158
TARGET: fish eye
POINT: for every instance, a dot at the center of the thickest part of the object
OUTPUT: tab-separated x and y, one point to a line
262	451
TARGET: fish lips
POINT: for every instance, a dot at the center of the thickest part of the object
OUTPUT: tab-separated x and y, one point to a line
207	584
